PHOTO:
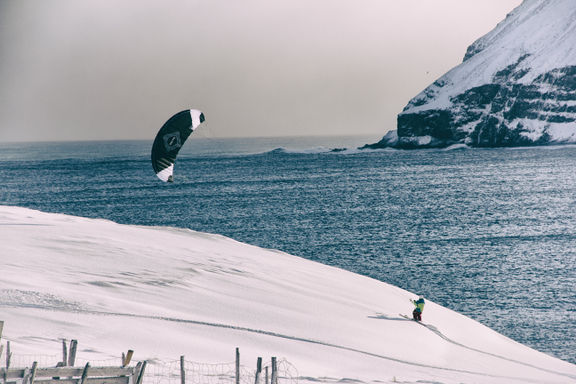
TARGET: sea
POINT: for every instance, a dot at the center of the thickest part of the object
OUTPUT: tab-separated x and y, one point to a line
489	233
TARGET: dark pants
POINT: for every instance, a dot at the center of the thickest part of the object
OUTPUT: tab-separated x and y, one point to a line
417	315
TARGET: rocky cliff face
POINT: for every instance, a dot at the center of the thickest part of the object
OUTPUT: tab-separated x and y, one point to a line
515	87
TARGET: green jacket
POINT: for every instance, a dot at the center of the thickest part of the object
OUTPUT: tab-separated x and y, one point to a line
419	304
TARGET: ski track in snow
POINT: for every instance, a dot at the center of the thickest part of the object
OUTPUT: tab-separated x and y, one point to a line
440	334
305	340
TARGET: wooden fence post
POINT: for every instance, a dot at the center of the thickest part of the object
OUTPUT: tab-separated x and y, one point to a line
141	373
64	353
274	379
182	371
84	374
72	354
258	371
33	373
26	375
1	328
7	361
136	372
237	365
126	358
266	377
8	355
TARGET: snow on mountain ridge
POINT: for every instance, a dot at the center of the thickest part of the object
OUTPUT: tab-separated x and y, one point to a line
530	24
518	16
516	86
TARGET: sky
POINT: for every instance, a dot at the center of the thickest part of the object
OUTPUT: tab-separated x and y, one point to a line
109	70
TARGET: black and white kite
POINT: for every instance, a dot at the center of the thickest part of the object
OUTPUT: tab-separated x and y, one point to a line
170	139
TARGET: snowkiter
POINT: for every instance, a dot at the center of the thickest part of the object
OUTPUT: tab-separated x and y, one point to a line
419	304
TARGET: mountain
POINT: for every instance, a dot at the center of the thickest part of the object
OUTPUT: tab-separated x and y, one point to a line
515	87
166	292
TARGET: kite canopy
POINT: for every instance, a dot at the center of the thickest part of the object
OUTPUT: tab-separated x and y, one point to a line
170	139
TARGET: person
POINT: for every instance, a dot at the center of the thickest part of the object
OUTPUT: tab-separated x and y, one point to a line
419	304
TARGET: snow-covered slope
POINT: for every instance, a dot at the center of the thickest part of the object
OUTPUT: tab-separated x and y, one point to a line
166	292
516	86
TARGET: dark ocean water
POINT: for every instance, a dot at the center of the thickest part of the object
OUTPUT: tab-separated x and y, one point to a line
489	233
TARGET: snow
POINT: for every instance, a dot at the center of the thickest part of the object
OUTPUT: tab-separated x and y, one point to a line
526	30
166	292
562	132
558	132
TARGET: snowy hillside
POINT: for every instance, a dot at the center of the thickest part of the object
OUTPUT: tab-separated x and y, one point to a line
516	86
166	292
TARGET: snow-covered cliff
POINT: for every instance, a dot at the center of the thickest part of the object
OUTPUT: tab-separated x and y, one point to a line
515	87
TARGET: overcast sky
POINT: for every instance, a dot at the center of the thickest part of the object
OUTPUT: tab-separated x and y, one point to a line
108	69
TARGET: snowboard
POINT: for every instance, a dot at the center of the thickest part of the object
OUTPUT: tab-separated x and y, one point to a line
410	318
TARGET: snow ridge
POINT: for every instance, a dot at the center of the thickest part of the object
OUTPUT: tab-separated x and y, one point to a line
515	87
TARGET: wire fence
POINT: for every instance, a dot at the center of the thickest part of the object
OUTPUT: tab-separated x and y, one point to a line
170	372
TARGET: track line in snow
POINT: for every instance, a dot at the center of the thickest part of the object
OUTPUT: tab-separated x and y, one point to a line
440	334
306	340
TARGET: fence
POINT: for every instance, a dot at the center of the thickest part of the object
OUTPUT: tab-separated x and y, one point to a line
191	372
182	371
64	371
73	375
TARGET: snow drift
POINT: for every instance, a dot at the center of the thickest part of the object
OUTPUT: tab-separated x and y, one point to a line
515	87
166	292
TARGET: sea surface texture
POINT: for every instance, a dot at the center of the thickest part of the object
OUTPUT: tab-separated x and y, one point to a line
490	233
